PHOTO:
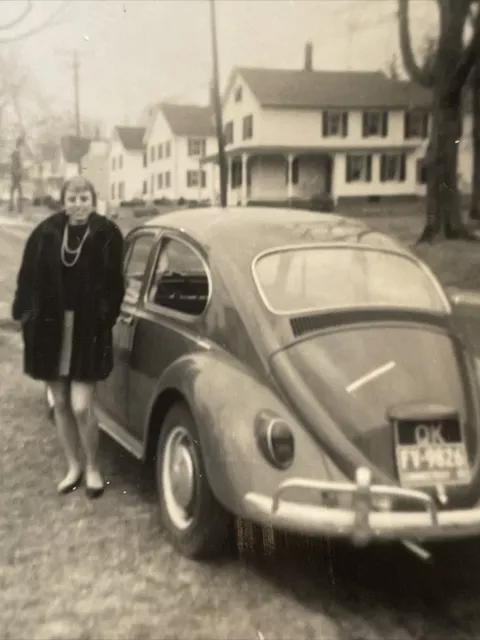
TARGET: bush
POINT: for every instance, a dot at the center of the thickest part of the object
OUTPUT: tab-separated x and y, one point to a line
135	202
322	202
145	211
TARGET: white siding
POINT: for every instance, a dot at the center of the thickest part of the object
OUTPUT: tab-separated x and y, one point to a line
131	173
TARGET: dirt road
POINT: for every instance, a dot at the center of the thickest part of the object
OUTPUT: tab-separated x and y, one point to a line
72	569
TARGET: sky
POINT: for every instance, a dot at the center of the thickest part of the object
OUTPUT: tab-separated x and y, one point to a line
136	52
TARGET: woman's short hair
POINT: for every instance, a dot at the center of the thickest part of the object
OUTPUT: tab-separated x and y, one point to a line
81	181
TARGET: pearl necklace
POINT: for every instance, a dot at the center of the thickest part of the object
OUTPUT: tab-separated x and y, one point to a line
74	252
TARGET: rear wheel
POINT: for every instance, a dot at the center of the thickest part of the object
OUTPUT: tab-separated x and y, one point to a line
197	525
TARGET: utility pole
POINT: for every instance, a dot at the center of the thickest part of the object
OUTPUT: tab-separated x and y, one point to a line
216	103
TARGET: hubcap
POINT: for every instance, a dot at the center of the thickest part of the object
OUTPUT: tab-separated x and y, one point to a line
178	477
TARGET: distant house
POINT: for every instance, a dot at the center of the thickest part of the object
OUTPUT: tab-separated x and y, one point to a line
302	133
176	141
125	162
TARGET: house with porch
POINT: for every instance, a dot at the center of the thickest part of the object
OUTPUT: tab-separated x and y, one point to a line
176	140
298	134
125	161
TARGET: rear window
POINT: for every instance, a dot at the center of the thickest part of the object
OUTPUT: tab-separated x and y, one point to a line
335	278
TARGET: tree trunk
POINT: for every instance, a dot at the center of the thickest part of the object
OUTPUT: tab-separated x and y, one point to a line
444	216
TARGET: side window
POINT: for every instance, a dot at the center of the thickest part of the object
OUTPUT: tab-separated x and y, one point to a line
180	282
135	264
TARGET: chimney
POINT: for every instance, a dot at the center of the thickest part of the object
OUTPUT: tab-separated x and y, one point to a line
308	56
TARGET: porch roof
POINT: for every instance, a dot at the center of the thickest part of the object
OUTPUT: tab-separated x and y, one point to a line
258	150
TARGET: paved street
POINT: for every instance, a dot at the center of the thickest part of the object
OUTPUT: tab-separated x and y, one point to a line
72	569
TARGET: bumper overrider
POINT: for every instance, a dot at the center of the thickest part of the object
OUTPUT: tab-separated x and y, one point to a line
361	523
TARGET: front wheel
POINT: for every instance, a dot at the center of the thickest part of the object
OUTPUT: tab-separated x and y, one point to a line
197	525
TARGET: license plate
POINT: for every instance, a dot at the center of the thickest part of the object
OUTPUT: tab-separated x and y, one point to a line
430	453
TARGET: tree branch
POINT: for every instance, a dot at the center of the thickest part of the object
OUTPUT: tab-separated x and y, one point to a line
417	73
13	23
49	22
470	55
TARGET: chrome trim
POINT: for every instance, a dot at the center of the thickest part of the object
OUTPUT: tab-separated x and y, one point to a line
348	245
170	313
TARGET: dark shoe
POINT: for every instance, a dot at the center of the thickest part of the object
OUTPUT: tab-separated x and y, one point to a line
71	486
93	493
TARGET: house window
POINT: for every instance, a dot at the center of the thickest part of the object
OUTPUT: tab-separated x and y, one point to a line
160	151
145	188
375	123
167	149
238	94
121	190
196	179
196	146
167	179
421	171
392	167
237	174
228	133
145	158
152	154
416	124
359	168
113	164
248	127
160	181
335	124
113	191
120	162
152	184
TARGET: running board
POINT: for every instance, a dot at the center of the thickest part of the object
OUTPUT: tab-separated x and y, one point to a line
109	426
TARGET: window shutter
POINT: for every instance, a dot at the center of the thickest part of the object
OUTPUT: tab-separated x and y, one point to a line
425	125
348	169
364	124
384	124
325	123
345	124
406	125
403	167
369	168
382	168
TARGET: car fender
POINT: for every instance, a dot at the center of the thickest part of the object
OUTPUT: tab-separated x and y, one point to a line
225	398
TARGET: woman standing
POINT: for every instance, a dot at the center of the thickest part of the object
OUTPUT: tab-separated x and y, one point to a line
70	289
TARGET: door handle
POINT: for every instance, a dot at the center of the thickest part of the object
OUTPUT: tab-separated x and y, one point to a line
127	320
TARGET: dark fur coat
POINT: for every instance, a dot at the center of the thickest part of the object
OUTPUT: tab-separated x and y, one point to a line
39	302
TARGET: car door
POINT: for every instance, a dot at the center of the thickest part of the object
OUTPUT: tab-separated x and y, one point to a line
112	393
170	321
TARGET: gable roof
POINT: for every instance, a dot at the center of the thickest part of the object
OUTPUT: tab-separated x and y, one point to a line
188	119
131	137
302	89
74	148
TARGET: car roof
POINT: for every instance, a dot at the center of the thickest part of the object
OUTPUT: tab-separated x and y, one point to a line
248	231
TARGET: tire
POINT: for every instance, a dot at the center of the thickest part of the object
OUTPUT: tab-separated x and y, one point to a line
200	530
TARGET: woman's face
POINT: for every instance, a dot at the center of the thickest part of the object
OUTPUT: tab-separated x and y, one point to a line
78	203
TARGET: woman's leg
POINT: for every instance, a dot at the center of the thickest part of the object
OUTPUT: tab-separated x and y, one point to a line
82	404
67	434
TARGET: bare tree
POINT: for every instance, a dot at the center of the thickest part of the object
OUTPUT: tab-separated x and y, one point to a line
445	73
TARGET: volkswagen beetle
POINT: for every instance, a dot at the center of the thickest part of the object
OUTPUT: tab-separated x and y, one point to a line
300	372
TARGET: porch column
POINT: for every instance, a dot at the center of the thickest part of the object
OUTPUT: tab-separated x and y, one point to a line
229	178
244	196
290	159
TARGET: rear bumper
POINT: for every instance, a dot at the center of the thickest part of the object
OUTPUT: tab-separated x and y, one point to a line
361	523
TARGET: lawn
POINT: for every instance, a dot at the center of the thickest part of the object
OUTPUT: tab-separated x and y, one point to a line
71	569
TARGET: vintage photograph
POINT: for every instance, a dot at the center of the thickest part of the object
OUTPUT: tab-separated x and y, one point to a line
240	319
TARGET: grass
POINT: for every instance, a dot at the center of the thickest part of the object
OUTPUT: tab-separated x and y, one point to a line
71	569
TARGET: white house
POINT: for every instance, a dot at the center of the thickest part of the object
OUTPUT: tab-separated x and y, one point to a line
125	161
95	169
299	133
176	140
